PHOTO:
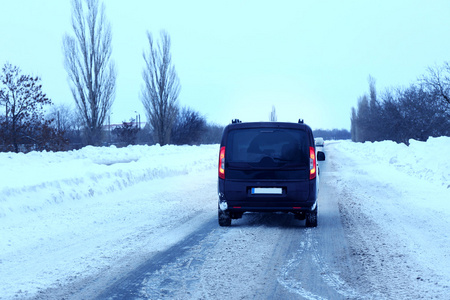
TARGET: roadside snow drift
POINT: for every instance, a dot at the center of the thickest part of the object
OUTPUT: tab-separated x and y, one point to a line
34	181
395	206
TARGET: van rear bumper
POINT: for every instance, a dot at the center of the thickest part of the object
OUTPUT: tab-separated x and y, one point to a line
294	196
271	207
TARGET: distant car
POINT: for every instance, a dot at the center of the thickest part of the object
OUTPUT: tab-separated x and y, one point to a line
268	167
319	142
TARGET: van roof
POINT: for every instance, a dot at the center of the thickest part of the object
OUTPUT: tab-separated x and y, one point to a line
268	124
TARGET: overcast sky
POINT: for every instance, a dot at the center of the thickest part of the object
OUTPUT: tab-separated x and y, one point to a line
235	59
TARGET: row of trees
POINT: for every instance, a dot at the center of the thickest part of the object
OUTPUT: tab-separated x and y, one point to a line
189	128
334	134
24	125
416	112
92	75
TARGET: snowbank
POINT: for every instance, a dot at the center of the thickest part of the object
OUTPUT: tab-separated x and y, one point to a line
33	181
425	160
395	202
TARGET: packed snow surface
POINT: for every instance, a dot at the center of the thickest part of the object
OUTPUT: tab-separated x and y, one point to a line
68	215
396	210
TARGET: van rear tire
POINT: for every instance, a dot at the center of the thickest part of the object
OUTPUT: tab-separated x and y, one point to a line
311	218
224	218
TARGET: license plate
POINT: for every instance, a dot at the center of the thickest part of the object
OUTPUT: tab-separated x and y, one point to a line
271	191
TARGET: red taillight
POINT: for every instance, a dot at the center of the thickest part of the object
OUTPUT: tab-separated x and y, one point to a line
312	163
222	163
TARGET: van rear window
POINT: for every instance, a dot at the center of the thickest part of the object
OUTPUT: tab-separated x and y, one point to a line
268	148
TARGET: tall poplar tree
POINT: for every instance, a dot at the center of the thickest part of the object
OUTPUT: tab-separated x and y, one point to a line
88	62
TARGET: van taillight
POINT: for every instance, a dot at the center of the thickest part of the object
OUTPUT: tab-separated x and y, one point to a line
312	163
222	163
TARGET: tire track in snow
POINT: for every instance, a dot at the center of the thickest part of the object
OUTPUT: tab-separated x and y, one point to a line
308	254
137	284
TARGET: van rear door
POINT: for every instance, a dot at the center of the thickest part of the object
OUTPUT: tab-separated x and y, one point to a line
267	165
267	153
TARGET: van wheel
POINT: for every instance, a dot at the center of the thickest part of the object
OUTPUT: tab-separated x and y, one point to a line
311	218
224	218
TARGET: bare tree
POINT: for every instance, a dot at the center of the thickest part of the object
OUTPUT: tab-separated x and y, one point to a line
273	115
64	117
88	62
67	120
188	128
161	89
24	125
354	126
438	82
372	90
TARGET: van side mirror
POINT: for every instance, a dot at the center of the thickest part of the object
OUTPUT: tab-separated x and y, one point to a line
320	156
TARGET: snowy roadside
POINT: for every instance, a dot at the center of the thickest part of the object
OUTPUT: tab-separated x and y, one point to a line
68	216
395	203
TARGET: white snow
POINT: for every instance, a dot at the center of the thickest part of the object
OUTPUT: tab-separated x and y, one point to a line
67	215
403	195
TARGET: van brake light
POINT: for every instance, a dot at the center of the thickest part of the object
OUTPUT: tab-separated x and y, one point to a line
222	163
312	163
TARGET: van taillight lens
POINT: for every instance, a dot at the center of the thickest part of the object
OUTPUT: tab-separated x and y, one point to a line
222	163
312	163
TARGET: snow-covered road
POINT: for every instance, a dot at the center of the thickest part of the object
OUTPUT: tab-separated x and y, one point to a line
74	224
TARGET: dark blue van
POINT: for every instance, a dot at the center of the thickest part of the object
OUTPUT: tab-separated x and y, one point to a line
268	167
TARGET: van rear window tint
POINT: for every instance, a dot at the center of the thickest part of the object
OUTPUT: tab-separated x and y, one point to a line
268	147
